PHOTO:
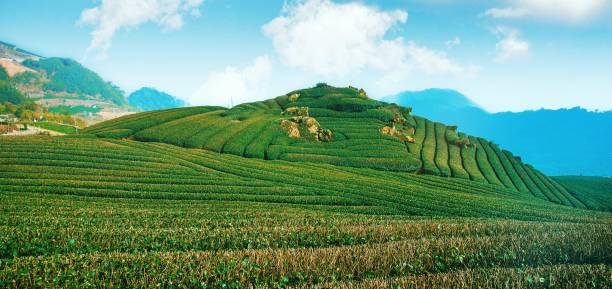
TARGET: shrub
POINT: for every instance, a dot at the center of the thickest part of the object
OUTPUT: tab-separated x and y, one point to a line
456	163
441	158
493	160
428	151
484	164
470	163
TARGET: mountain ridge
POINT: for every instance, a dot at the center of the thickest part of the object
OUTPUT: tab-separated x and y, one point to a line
148	98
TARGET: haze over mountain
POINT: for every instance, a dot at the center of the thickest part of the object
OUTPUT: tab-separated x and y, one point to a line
559	142
148	98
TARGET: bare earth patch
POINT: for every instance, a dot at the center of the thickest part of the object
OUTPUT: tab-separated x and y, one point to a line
12	67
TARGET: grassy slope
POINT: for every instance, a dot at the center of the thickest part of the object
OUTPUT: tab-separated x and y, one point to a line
130	169
594	192
188	217
253	130
65	129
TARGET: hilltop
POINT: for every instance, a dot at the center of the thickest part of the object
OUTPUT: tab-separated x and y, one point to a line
147	98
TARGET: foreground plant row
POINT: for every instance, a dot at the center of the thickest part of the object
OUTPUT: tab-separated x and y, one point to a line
72	241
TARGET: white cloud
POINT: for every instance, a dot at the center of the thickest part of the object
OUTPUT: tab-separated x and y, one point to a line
340	39
572	11
453	42
113	15
510	45
509	12
234	86
335	39
432	62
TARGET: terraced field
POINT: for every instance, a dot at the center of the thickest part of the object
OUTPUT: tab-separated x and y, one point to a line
130	169
208	197
88	212
594	192
252	130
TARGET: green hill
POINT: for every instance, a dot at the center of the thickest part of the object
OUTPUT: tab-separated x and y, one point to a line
67	75
418	145
146	98
8	93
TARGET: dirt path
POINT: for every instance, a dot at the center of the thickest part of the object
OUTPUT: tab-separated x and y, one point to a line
33	130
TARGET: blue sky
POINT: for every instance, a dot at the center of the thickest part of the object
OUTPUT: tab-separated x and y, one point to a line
505	55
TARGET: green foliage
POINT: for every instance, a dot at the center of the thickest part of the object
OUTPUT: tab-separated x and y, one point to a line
532	183
593	192
26	78
141	121
252	133
10	94
428	151
484	164
441	158
115	133
470	163
419	136
72	110
65	129
67	75
455	162
510	170
495	163
3	74
340	103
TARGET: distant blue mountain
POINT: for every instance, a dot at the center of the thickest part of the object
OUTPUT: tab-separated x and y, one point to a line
148	98
559	142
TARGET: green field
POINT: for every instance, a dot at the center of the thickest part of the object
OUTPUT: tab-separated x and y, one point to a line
208	197
596	192
72	110
65	129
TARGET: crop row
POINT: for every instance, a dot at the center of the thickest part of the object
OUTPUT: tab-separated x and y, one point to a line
301	267
141	227
402	193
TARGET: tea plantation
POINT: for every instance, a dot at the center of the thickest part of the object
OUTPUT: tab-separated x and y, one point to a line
208	197
252	130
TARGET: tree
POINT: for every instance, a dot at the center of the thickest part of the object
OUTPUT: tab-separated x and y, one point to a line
3	73
37	114
67	75
10	94
25	114
10	108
